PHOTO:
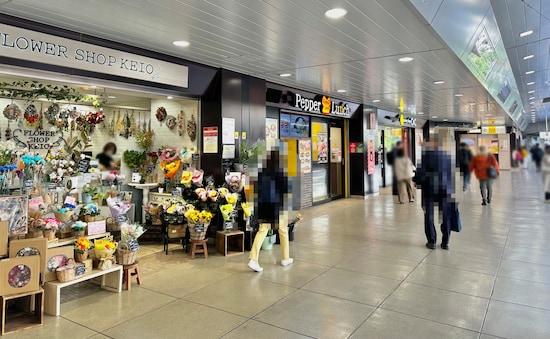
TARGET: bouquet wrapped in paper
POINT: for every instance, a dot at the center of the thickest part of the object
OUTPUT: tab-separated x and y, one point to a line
131	232
117	207
104	248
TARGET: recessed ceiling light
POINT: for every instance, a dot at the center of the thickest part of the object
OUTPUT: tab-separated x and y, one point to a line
482	110
526	33
531	92
445	119
285	75
111	97
406	59
530	83
93	87
527	57
341	91
376	100
169	97
336	13
181	43
472	103
439	82
434	116
532	98
420	113
532	102
459	95
529	72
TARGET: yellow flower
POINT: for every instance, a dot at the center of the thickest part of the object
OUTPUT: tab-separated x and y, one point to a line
232	198
247	210
186	177
226	210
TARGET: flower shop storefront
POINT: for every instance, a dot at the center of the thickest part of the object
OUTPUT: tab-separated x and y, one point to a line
316	129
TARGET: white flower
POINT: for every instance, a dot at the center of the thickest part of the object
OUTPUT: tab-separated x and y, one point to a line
82	156
71	163
53	176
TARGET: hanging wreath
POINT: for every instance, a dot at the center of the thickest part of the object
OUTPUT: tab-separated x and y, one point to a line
95	118
192	128
161	114
51	113
12	112
171	121
32	118
62	119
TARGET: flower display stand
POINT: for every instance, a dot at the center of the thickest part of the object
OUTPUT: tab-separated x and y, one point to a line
230	243
129	272
204	248
29	316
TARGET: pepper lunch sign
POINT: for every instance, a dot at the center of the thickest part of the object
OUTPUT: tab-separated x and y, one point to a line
325	106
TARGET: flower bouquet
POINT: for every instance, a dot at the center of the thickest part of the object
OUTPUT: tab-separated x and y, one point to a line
198	223
79	228
64	212
33	166
104	248
173	211
88	212
49	226
128	247
81	247
117	208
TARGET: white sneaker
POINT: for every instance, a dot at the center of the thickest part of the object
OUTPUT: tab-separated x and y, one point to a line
287	262
255	266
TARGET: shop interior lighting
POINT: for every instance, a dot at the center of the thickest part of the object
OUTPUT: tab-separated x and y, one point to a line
529	72
406	59
439	82
527	57
93	87
111	97
532	98
169	97
434	116
181	43
285	75
530	83
459	95
531	92
532	102
445	119
376	100
420	113
336	13
526	33
341	91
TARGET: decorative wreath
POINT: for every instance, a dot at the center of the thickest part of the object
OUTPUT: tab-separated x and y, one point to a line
171	121
31	115
161	114
95	118
51	113
169	154
12	112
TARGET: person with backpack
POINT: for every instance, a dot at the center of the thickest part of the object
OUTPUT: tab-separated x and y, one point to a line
464	158
486	168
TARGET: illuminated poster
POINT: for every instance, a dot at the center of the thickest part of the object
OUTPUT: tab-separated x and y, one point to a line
482	56
371	155
322	148
304	149
271	128
210	139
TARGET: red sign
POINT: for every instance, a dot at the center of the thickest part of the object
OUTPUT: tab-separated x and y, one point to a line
353	147
371	155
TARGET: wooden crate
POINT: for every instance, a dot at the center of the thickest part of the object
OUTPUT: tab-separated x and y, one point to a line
19	275
15	318
230	243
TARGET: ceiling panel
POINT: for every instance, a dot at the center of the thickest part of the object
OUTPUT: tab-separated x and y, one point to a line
358	53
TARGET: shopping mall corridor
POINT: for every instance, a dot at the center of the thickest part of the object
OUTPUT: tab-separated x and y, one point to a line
361	270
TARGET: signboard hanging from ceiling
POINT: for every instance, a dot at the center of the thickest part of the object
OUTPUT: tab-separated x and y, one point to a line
23	44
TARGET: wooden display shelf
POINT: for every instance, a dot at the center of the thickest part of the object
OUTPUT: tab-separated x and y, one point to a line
32	314
70	241
230	243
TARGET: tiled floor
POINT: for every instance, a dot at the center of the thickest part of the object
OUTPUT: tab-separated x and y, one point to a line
361	271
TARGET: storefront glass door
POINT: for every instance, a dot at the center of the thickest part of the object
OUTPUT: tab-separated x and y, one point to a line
336	163
320	167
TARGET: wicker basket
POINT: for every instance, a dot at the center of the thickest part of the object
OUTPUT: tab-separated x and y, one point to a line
194	235
112	225
64	217
67	272
125	257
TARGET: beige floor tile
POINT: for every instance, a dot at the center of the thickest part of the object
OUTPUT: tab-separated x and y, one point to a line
388	324
179	319
316	315
522	292
515	321
379	266
99	336
255	329
295	275
463	261
466	282
320	255
53	328
354	286
106	309
438	305
245	294
532	255
525	271
398	251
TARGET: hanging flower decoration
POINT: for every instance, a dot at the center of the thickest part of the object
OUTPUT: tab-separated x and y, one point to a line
186	154
171	121
32	118
12	112
51	113
95	118
169	154
161	114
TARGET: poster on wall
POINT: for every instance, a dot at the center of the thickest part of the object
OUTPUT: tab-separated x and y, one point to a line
299	126
304	149
371	155
322	148
285	125
210	139
13	209
228	131
271	128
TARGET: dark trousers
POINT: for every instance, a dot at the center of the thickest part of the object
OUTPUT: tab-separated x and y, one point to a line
428	204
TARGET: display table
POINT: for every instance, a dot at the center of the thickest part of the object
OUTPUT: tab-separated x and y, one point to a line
70	241
146	189
111	280
230	243
18	320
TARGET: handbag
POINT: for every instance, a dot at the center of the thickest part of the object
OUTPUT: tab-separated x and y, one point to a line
492	172
456	224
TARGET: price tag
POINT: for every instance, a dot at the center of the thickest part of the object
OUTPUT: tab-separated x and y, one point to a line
52	187
195	157
133	245
83	165
199	228
29	184
176	192
228	225
121	218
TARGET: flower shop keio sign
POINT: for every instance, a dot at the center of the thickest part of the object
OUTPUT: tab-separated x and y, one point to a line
29	45
37	139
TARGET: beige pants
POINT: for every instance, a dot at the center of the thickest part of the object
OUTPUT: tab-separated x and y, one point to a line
261	235
406	190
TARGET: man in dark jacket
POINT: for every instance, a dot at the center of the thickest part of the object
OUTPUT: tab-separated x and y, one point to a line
464	157
435	177
537	154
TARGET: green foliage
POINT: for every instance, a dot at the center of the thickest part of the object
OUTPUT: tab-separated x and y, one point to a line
32	90
134	159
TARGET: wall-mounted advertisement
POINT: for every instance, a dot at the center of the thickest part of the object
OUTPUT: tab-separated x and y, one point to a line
271	129
322	148
482	56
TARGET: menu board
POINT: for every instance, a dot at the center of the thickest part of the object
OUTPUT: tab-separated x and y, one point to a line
271	128
322	148
285	125
304	149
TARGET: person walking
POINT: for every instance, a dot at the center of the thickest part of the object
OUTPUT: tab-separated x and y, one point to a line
537	154
464	157
545	168
404	172
271	205
524	157
486	168
435	177
390	160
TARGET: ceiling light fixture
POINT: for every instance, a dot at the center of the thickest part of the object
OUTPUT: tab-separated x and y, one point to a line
181	43
439	82
531	92
445	119
336	13
482	110
341	91
93	87
111	97
529	72
285	75
526	33
406	59
527	57
459	95
434	116
532	98
420	113
169	97
530	83
376	100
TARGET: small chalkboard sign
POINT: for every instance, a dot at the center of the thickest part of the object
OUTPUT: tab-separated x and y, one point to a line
52	187
29	184
199	228
195	157
176	192
121	218
83	165
228	225
150	169
80	269
133	245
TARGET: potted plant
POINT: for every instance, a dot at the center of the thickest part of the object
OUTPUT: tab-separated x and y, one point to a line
48	227
135	161
79	229
88	193
81	247
88	212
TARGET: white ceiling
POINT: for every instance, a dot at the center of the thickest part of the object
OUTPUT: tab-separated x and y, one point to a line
265	38
515	17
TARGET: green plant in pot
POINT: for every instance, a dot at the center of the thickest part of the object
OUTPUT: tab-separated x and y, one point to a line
88	193
135	160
